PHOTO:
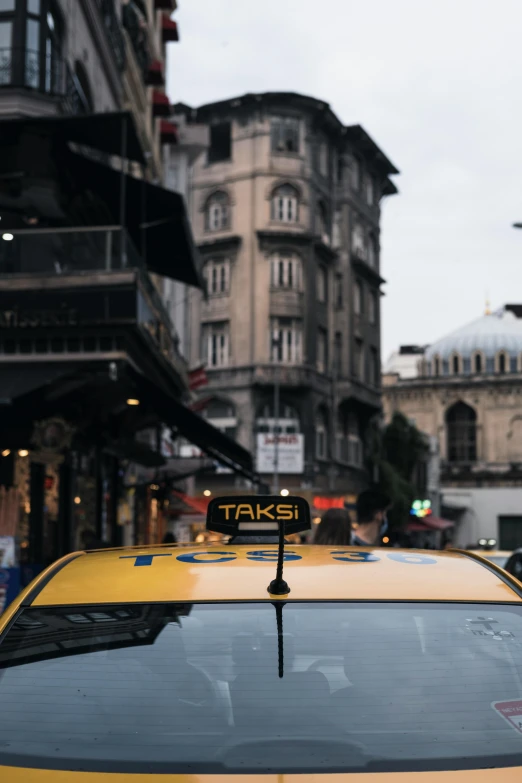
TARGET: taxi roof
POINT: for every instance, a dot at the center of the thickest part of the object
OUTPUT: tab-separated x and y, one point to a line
228	572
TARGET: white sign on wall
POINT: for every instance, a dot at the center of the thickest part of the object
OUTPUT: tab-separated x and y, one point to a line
290	453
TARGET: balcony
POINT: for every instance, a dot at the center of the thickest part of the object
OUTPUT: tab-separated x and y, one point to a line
78	280
47	75
60	251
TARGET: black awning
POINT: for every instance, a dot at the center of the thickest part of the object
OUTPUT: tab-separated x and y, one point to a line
195	429
156	219
102	132
16	381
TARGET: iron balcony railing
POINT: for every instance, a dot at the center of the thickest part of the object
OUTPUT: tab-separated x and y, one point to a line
58	252
113	29
48	74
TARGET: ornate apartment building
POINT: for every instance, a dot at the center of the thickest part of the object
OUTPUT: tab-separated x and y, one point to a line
286	207
465	392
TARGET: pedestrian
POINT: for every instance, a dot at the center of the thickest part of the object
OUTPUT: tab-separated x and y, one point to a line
335	528
372	521
169	538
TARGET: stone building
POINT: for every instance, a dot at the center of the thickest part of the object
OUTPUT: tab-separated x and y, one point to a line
286	208
468	394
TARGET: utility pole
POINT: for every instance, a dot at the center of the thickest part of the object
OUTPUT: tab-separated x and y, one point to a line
276	344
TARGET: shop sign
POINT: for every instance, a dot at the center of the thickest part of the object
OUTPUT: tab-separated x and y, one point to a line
15	318
51	437
290	453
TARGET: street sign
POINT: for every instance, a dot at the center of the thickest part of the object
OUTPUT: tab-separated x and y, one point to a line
290	453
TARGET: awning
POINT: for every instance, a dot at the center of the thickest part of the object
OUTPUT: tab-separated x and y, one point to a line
189	425
169	29
168	132
165	5
197	504
155	74
102	132
160	104
429	525
24	379
166	245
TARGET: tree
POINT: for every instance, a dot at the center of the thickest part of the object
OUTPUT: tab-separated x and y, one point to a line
398	451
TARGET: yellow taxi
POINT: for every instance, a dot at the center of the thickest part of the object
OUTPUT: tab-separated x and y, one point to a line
487	548
258	660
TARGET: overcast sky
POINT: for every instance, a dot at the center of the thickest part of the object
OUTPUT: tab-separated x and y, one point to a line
438	86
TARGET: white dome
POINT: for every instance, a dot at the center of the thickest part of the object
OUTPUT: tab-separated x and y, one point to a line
500	331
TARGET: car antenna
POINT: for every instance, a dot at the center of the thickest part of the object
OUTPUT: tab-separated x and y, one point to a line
278	586
278	606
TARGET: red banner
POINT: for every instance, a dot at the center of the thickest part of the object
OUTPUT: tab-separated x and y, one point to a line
197	378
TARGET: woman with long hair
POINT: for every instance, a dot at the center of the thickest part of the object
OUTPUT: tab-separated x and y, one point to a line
335	528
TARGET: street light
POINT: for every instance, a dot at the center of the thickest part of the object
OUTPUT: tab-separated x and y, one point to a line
276	344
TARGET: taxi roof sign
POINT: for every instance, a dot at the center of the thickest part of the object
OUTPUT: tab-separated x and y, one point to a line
258	515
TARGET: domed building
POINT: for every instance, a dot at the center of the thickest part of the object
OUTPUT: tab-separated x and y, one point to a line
467	393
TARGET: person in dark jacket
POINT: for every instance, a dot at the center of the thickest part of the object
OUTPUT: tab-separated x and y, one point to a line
335	528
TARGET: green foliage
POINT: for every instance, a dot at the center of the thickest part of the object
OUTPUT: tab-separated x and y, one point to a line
396	451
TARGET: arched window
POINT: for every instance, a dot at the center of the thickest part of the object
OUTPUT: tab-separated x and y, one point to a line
455	364
502	362
477	363
436	366
286	270
349	442
287	423
461	428
217	212
285	204
321	434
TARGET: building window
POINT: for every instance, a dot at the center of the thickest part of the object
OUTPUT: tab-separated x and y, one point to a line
478	363
323	222
373	307
322	284
349	442
358	359
222	415
217	276
322	350
287	423
338	354
286	340
370	191
286	271
372	252
321	434
358	298
356	174
436	366
215	349
217	212
285	134
375	367
220	148
323	159
339	299
340	170
43	45
359	242
455	364
285	204
461	426
502	362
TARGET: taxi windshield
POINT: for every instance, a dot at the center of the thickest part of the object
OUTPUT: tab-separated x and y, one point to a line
499	560
223	688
